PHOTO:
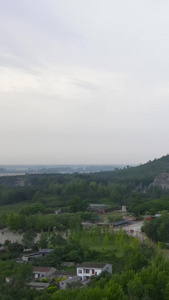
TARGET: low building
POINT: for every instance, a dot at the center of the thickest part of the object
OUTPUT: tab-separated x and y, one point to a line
40	254
88	269
98	207
122	223
105	224
43	272
39	285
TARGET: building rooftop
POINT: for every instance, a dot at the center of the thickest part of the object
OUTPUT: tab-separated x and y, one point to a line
42	251
45	250
92	265
39	285
98	205
42	269
123	222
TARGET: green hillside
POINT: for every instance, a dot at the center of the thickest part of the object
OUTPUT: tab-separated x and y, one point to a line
128	186
144	173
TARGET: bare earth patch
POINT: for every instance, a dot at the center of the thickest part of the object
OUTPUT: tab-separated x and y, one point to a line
6	234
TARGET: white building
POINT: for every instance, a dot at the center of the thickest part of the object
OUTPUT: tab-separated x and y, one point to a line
88	269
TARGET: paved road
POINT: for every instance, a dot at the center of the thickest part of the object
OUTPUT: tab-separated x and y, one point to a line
136	227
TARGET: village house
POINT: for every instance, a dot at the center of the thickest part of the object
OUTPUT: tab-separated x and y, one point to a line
43	272
39	285
98	207
40	254
88	269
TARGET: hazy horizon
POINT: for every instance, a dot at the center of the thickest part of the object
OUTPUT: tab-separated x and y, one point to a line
83	82
8	165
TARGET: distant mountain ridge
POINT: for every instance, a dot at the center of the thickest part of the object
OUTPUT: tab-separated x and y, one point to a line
144	173
56	169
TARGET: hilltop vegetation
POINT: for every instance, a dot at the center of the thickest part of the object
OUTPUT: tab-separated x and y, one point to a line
130	186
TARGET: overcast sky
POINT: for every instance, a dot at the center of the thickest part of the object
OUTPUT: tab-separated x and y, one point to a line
84	81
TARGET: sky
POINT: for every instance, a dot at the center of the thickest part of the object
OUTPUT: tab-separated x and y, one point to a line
84	81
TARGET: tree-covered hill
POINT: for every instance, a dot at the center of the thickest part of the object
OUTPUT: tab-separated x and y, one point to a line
144	173
127	186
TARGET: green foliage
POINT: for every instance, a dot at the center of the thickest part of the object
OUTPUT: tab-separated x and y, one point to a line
32	209
37	196
3	220
152	206
101	280
114	217
74	285
128	186
44	280
157	228
75	222
10	195
43	242
52	289
77	204
15	247
19	277
29	238
56	240
16	221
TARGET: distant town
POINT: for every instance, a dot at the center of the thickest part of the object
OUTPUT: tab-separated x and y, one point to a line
56	169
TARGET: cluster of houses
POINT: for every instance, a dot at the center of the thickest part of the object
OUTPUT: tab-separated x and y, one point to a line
83	272
43	276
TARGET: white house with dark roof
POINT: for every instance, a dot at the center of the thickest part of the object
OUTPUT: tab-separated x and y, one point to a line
88	269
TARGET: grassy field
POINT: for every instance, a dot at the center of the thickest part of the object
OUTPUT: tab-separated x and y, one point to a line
52	201
49	201
13	207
